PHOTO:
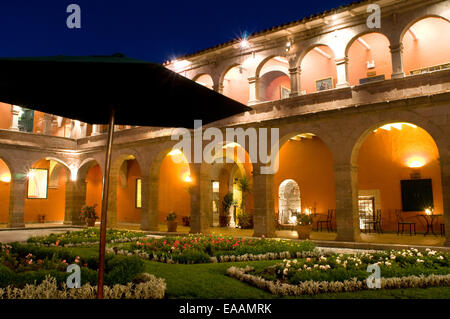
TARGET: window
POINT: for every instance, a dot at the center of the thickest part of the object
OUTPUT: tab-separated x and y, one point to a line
417	195
139	193
37	183
366	206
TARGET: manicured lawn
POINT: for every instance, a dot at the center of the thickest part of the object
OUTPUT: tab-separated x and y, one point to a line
210	281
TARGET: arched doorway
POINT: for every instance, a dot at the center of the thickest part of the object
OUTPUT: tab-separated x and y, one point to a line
174	179
45	201
399	176
289	201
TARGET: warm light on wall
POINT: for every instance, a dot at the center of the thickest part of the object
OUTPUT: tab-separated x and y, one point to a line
231	145
73	173
415	162
397	126
175	151
5	178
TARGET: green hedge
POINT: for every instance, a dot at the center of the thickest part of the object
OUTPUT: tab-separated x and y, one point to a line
118	269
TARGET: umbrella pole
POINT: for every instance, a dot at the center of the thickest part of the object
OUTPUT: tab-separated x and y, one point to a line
105	195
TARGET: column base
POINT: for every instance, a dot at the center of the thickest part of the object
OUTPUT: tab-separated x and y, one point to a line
263	234
348	237
447	242
342	85
397	75
16	225
150	228
253	102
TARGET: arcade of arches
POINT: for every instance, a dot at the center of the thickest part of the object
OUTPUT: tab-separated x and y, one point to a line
378	145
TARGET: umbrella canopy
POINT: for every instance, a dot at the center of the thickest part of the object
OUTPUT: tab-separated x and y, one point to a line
86	88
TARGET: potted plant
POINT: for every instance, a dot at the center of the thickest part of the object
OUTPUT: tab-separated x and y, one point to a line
245	219
224	216
304	225
88	215
172	222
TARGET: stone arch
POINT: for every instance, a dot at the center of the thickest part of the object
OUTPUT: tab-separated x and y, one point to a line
312	169
381	54
236	163
309	61
114	207
151	220
425	46
237	87
273	77
397	165
200	75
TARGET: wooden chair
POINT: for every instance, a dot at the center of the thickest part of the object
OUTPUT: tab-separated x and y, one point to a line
328	221
375	222
401	222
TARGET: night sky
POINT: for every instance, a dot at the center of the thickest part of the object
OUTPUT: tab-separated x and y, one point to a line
151	30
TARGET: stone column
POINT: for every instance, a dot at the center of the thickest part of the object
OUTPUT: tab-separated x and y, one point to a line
201	206
75	199
294	76
264	212
342	72
112	199
253	90
445	173
47	125
95	129
397	61
18	193
347	216
218	88
15	111
149	197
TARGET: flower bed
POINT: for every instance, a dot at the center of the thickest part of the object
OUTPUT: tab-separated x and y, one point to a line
89	236
25	264
151	288
213	248
339	272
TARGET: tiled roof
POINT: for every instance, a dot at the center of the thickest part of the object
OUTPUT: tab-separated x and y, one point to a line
276	28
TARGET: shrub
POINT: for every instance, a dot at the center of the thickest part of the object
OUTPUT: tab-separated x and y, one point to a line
152	288
121	269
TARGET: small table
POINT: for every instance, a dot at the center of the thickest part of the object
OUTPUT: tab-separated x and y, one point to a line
429	219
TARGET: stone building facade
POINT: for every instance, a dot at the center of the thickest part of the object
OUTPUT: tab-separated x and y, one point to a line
343	116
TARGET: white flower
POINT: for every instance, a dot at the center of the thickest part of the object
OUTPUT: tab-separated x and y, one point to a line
419	255
285	271
440	257
419	260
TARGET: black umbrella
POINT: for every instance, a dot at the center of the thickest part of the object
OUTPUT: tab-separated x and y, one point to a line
110	90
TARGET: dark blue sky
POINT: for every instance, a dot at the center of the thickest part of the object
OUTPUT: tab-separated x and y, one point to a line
144	29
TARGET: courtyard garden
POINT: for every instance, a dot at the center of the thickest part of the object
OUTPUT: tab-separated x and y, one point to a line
139	266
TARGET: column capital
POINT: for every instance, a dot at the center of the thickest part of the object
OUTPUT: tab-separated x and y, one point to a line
341	60
295	70
253	79
395	48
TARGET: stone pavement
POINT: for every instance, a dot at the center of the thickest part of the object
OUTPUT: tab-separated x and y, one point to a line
7	236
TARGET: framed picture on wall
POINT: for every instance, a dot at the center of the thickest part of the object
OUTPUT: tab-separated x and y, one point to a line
37	183
284	92
324	84
138	193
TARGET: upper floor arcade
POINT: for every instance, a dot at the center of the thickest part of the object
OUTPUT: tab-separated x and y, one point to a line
328	51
